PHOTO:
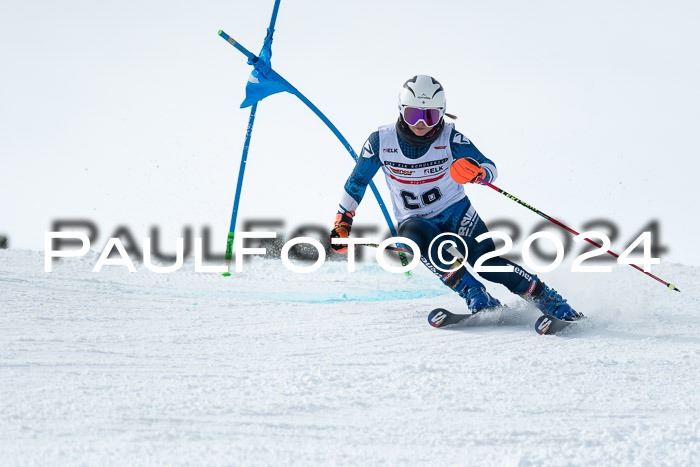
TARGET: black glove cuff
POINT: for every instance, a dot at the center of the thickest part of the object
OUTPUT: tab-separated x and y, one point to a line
344	218
473	161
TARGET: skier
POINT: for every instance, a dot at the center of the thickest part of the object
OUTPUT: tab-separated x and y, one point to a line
426	161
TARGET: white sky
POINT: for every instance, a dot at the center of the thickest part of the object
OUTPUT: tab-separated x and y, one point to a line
127	114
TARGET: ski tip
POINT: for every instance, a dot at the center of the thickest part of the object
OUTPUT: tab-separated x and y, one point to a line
437	316
226	274
542	324
547	324
220	32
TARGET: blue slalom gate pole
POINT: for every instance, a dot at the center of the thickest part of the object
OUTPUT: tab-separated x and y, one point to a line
239	185
265	81
273	76
248	133
291	89
347	145
239	47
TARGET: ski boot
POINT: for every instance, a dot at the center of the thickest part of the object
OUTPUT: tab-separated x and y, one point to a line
473	291
479	299
549	302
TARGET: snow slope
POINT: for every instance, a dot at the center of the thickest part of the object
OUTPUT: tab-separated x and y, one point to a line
269	367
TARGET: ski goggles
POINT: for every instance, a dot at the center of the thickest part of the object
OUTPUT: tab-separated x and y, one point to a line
413	115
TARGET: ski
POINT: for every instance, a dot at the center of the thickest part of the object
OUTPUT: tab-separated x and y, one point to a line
440	317
547	324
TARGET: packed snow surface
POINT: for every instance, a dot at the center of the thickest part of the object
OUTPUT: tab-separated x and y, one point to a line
273	367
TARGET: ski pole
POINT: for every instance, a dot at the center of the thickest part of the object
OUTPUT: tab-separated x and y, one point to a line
393	248
553	220
451	249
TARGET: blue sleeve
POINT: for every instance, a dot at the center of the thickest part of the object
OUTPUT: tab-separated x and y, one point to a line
367	165
462	148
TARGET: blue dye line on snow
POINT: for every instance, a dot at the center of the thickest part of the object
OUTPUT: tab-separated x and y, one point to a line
320	298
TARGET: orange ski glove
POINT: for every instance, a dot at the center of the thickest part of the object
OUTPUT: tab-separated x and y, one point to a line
341	229
466	170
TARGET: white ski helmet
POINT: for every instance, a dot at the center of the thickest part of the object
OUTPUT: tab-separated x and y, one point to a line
422	92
